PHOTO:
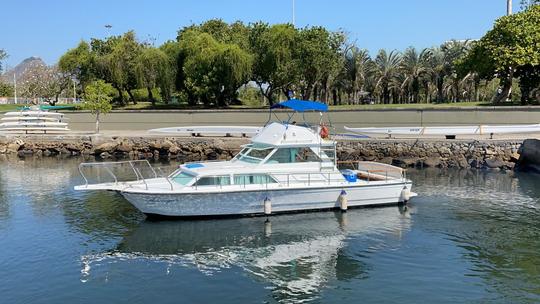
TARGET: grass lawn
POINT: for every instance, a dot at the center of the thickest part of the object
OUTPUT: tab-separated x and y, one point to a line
9	107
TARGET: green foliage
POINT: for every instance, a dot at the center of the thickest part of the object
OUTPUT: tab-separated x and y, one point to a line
98	97
276	64
153	70
6	89
213	70
513	45
78	62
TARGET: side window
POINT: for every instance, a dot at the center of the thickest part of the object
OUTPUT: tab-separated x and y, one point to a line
253	179
293	155
214	181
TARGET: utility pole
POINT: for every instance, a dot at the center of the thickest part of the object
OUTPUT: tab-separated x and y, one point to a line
74	92
293	14
508	7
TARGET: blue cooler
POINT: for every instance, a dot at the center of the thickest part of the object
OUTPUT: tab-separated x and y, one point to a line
349	175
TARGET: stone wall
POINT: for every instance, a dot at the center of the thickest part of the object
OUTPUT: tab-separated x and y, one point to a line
492	154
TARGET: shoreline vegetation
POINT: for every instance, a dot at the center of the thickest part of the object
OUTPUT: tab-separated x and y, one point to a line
147	106
227	65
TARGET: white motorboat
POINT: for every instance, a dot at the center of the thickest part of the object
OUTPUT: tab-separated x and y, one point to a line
449	130
285	168
33	120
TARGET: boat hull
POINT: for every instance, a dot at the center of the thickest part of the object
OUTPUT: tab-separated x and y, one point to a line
252	202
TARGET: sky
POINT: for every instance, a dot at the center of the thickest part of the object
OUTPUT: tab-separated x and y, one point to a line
47	29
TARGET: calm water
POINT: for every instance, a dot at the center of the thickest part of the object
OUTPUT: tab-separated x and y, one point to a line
471	236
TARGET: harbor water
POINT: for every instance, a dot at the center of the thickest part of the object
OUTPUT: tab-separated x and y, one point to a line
470	236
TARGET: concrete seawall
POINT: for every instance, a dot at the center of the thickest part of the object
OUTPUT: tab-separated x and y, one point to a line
144	120
491	154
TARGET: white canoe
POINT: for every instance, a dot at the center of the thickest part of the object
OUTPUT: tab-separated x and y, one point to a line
449	130
34	113
244	131
21	124
32	118
22	129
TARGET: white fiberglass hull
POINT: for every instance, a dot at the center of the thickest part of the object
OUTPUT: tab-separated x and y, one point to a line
34	113
252	202
210	130
450	130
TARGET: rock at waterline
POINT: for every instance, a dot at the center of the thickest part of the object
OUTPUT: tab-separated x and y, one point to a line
529	159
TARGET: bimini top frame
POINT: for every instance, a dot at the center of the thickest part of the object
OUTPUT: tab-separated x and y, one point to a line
299	106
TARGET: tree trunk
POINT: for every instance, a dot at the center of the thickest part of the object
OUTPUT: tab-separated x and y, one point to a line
151	96
506	89
97	122
131	97
440	83
120	95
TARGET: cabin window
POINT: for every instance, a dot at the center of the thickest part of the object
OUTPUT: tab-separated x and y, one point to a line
214	181
293	155
253	179
183	178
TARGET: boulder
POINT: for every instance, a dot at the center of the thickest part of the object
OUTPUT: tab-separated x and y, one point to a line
106	147
13	147
432	162
124	147
404	162
494	163
529	156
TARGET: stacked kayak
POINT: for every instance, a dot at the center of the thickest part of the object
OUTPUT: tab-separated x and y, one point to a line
33	121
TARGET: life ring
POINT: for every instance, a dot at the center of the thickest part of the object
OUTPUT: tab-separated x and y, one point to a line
324	131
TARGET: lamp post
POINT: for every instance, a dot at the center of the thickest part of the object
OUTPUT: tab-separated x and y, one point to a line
508	7
293	14
15	84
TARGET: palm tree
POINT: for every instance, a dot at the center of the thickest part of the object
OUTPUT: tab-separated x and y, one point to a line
414	66
385	69
453	50
356	70
437	70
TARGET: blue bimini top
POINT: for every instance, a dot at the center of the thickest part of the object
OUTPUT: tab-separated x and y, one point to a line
301	105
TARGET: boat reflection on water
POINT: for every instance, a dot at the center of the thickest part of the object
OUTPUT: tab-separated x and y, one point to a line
296	255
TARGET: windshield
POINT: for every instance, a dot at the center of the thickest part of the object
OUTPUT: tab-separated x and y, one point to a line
183	178
254	154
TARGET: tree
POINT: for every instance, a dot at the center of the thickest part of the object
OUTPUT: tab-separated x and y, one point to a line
213	71
317	54
6	89
98	98
116	61
525	4
41	81
385	69
153	70
513	42
79	64
357	69
414	66
275	66
3	55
